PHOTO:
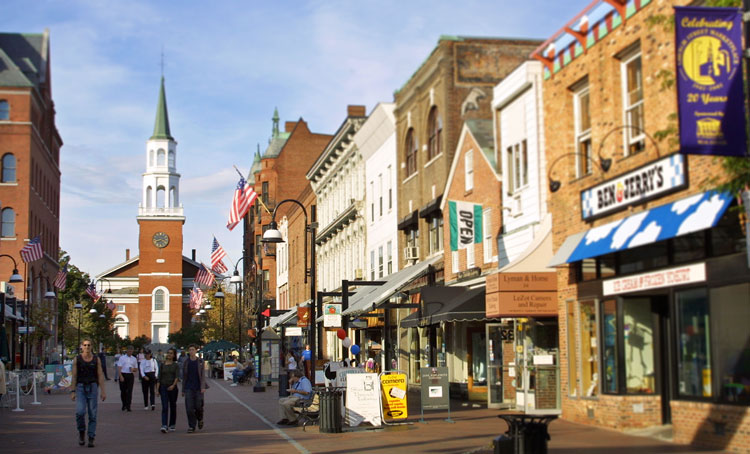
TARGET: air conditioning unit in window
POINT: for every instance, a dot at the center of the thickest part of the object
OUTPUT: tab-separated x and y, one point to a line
411	253
359	274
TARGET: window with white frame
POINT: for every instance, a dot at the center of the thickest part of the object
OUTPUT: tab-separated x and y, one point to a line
518	164
372	265
436	233
487	240
389	251
380	261
469	170
120	308
583	130
159	299
470	256
380	193
372	201
632	102
390	189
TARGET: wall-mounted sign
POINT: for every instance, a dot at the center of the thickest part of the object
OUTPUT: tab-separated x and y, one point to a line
303	316
658	279
332	315
709	81
293	331
655	179
521	295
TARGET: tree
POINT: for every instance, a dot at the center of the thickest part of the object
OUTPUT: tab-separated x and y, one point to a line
192	334
212	319
140	341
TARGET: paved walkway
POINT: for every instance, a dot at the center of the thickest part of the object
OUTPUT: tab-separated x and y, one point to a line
240	421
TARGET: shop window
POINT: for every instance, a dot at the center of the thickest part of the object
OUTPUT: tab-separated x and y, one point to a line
607	266
727	236
638	335
587	270
730	314
572	350
693	354
589	348
609	349
644	258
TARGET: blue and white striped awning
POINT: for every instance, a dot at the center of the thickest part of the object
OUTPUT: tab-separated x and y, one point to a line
691	214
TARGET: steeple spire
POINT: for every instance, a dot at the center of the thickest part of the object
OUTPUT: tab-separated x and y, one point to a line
275	130
161	125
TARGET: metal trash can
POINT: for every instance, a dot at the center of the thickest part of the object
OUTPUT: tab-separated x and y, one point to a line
527	434
330	410
283	385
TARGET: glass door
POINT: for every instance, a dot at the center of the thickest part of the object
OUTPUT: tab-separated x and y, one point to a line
538	381
500	357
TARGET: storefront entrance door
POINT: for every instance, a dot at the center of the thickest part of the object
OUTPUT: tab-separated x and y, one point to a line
477	362
538	367
500	358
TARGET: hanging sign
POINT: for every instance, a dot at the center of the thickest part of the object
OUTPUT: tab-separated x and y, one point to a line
303	316
709	81
465	223
332	315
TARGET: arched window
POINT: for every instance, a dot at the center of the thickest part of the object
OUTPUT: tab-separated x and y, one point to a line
151	158
411	153
4	110
435	126
9	169
149	197
8	223
159	300
172	196
171	159
160	194
161	157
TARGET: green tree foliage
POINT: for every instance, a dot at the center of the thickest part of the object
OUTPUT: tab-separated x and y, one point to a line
212	319
187	335
140	341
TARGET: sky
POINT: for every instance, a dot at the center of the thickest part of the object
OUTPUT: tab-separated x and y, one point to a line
227	65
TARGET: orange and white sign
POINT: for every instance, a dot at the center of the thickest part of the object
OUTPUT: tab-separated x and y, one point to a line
665	278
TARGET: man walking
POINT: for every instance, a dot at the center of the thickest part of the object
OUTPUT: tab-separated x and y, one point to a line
193	388
127	365
103	359
87	378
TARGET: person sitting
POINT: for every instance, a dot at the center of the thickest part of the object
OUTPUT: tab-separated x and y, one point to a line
242	371
300	389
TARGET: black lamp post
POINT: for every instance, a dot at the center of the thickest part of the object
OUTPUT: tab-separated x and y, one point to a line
259	319
236	279
219	295
48	295
273	235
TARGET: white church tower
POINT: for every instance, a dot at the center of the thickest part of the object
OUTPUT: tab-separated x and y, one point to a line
161	182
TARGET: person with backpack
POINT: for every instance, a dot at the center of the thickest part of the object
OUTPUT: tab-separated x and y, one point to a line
87	379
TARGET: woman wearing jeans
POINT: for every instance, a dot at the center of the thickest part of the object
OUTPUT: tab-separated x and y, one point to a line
168	390
88	378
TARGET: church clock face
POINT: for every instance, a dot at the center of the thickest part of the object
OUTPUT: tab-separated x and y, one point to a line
160	239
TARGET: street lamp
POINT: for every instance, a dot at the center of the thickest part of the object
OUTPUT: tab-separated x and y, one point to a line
219	295
259	324
236	279
273	235
15	277
48	295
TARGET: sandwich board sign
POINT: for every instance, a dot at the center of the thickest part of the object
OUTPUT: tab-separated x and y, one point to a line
435	394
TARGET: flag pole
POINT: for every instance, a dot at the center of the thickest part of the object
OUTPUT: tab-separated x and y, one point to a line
258	199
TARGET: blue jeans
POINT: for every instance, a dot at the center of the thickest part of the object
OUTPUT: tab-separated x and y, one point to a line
86	399
194	406
168	405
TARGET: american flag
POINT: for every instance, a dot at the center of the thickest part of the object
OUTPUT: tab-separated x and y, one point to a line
217	254
244	197
91	290
196	296
32	251
62	278
204	277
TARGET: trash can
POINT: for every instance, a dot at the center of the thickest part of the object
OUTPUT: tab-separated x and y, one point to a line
527	434
283	385
330	410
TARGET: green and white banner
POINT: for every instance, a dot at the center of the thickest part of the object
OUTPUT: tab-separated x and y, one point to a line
466	224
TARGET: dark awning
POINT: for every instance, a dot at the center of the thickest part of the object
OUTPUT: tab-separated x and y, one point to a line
432	208
409	221
448	304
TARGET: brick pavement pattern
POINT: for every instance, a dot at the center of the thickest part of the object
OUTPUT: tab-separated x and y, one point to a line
240	421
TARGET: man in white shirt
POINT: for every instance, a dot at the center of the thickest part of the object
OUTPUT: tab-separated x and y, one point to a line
149	377
127	365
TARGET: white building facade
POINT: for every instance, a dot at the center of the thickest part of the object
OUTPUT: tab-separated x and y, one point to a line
282	266
376	141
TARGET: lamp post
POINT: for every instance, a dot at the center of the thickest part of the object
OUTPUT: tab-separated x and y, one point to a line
259	321
236	279
48	295
220	296
15	277
273	235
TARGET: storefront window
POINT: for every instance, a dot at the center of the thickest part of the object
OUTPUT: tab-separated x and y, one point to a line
638	335
572	350
727	236
644	258
588	269
609	351
694	343
689	247
589	349
607	266
730	314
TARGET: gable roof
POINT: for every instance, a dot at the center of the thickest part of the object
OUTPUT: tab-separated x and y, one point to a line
481	127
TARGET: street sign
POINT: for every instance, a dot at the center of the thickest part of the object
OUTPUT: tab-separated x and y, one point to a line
24	329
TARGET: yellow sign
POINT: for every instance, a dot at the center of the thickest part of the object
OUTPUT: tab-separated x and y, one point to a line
393	387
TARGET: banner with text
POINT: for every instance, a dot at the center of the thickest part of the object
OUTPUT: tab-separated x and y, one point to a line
709	81
465	224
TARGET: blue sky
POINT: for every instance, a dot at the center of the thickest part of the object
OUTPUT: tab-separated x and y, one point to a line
227	65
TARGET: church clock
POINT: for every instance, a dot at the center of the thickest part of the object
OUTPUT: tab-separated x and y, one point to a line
160	239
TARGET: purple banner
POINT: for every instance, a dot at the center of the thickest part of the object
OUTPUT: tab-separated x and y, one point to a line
709	81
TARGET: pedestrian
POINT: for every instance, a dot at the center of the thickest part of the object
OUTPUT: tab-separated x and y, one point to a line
300	389
193	388
169	373
307	361
87	378
103	359
149	375
127	365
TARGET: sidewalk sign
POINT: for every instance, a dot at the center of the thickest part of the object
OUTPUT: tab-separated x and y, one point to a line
228	368
394	395
363	400
435	390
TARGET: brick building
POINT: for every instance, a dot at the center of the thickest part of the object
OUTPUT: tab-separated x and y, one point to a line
29	182
649	314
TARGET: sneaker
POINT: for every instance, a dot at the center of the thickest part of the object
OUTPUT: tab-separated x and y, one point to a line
233	384
200	424
146	407
163	429
171	428
81	438
191	430
91	442
153	407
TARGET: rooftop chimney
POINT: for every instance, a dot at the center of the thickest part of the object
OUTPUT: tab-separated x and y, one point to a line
127	254
355	111
193	254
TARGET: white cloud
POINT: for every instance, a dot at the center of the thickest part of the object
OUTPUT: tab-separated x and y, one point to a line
629	226
598	233
703	217
681	206
647	235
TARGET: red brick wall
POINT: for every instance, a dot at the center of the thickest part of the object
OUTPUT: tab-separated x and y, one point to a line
701	424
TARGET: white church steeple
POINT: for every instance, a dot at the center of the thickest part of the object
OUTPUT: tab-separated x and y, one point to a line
161	182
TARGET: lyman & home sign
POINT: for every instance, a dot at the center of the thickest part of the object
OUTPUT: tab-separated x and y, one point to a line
644	183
